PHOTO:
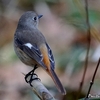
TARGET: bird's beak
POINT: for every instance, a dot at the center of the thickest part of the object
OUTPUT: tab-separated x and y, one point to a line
39	16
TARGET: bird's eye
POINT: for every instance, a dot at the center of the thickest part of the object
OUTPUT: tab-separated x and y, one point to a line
35	18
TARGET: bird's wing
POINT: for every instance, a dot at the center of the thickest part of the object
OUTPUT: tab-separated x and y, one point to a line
30	49
52	73
51	58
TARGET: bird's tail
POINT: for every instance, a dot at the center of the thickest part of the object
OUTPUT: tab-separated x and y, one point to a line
57	81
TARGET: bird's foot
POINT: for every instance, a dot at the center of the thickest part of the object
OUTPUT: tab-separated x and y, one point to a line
30	77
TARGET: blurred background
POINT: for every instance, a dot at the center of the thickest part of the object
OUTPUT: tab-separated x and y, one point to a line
64	26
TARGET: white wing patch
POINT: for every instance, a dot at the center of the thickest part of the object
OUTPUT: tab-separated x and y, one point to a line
28	45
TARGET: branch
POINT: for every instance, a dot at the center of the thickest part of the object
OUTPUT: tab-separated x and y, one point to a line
91	83
88	46
89	41
39	89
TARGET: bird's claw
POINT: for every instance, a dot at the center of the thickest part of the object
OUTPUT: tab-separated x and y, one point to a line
30	77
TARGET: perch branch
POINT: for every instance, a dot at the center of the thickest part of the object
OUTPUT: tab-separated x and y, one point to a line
40	90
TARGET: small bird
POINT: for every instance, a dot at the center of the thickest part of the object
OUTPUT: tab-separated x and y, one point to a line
32	49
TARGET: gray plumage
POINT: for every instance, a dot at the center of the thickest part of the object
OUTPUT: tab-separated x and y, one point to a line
31	46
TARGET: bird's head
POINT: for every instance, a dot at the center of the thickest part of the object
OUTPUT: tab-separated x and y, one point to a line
30	19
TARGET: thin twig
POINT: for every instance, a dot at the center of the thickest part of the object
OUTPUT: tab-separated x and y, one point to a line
88	46
91	83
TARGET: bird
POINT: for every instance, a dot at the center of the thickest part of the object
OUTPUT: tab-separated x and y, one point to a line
32	48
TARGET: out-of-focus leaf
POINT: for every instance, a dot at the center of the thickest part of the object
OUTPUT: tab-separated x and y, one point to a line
72	59
78	5
77	18
79	21
7	54
96	98
51	1
77	54
72	95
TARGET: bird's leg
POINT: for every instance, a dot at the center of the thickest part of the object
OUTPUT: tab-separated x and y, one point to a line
30	74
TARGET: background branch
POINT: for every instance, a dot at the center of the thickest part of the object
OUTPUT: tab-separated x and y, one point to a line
91	83
88	46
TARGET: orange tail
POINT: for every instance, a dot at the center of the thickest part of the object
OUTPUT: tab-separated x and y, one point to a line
57	81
